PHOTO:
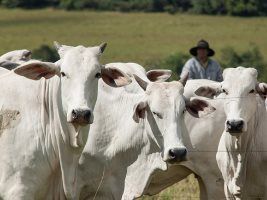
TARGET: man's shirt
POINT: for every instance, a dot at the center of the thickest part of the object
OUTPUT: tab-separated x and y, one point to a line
212	71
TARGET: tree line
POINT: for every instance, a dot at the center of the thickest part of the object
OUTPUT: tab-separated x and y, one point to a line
212	7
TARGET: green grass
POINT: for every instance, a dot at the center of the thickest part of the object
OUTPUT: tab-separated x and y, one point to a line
134	37
137	37
186	189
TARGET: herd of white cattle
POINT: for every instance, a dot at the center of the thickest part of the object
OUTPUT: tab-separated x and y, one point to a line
76	129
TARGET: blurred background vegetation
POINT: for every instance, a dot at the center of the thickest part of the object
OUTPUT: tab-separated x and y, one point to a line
145	33
176	60
229	57
212	7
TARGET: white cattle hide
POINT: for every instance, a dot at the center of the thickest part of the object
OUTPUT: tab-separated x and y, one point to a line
44	123
241	155
202	144
133	134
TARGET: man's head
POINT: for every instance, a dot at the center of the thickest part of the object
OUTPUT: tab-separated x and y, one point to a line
202	50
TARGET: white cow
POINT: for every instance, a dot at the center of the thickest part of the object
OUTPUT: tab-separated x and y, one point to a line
242	151
44	124
204	136
137	131
12	59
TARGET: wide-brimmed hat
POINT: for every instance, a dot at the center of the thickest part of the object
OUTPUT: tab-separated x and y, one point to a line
202	44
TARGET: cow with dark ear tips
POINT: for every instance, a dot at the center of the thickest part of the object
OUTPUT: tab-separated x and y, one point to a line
245	124
138	131
47	109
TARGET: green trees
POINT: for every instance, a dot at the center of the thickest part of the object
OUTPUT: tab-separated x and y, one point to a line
28	3
250	58
209	7
46	53
213	7
242	7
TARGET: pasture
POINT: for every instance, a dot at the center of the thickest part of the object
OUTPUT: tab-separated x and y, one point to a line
134	37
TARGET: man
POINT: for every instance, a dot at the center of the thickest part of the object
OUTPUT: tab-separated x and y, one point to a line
201	66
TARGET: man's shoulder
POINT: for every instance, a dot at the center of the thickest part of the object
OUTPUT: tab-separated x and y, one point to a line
191	61
214	62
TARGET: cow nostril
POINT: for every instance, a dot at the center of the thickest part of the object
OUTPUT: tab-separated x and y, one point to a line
172	153
235	126
87	115
74	114
183	153
240	124
177	154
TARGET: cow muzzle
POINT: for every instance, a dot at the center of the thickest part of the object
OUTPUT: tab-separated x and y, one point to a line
81	117
175	155
235	127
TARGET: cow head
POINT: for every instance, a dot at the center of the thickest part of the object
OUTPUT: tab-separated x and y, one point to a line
79	71
13	59
239	90
17	55
164	105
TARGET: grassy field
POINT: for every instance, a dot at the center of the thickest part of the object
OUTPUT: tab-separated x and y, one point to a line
136	37
184	190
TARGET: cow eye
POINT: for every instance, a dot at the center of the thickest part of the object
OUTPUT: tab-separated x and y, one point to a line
98	75
252	91
62	74
157	114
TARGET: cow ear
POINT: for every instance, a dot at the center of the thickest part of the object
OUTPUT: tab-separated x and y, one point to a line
102	47
159	75
206	91
261	88
140	111
114	77
199	108
36	69
61	49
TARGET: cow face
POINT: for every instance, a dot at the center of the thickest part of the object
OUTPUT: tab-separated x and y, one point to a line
239	90
79	71
164	105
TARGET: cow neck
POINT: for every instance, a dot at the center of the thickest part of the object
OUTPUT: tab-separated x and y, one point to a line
241	150
148	162
62	157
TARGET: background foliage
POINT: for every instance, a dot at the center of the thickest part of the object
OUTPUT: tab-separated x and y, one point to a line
213	7
229	58
45	53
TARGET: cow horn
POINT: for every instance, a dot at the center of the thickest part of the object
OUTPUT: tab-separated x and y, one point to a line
57	45
102	47
143	84
184	79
